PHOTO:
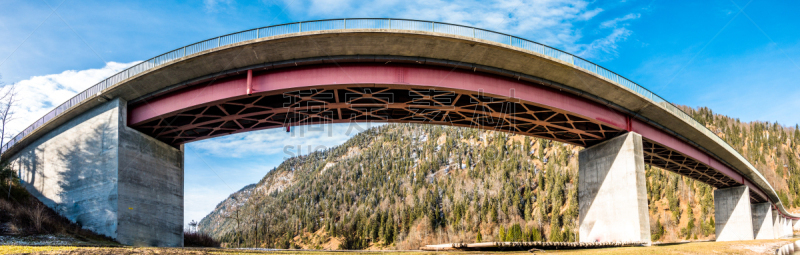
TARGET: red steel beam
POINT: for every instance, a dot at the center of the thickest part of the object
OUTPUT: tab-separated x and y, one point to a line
250	82
370	75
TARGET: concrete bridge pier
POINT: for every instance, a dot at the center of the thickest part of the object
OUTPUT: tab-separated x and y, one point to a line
762	221
776	221
732	214
783	226
96	171
612	195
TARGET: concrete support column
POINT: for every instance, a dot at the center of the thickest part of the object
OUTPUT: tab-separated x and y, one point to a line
732	214
795	225
784	227
111	179
787	227
612	195
762	221
776	221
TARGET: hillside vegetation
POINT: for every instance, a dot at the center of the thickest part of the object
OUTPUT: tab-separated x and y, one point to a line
401	186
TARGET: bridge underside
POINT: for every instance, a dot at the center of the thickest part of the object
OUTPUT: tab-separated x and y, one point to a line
394	103
663	157
345	93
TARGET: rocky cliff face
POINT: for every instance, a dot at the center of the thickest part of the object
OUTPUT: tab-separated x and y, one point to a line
404	185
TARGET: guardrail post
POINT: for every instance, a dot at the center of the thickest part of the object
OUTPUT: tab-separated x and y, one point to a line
219	38
345	23
184	51
300	27
257	30
390	23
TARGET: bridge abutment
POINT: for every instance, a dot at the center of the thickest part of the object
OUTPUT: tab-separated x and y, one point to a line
762	221
612	195
109	178
732	214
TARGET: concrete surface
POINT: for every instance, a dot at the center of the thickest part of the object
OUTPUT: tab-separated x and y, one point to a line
777	228
762	221
782	226
612	196
109	178
795	225
732	214
72	169
150	189
784	229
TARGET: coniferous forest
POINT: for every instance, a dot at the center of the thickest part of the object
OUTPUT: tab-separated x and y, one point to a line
402	186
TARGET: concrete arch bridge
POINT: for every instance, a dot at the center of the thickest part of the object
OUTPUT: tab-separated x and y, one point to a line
111	158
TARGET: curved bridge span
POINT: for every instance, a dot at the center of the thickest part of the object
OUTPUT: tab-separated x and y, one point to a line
127	132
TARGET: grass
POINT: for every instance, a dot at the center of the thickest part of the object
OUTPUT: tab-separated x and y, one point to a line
738	247
14	249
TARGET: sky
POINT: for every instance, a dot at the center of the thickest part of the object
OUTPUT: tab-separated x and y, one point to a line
740	58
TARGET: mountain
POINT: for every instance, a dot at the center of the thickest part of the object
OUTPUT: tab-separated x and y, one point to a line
402	186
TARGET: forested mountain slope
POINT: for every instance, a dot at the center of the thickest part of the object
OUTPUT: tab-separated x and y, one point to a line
406	185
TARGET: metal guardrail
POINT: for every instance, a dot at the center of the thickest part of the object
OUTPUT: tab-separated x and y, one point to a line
371	23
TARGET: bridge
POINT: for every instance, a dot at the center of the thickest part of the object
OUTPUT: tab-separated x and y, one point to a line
111	158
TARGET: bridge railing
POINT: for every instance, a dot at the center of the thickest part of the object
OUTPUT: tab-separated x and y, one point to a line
368	23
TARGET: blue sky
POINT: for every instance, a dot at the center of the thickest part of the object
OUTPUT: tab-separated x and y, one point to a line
740	58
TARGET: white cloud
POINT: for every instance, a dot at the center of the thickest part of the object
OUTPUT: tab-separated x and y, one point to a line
40	94
616	21
217	5
200	201
605	47
552	22
548	21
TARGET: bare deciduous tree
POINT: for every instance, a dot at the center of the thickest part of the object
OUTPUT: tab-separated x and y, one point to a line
8	100
238	220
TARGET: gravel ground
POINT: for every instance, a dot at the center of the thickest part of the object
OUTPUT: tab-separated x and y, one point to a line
56	240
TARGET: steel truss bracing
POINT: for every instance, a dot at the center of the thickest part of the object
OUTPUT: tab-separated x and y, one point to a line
342	104
663	157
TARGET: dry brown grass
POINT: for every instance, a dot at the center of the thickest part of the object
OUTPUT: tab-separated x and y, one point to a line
739	247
